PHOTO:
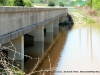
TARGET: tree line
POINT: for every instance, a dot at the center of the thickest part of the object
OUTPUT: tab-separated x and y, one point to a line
30	2
15	2
91	3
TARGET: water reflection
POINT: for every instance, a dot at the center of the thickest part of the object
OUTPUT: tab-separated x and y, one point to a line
81	52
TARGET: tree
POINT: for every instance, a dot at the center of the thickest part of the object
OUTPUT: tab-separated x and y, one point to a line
96	4
19	2
28	3
88	3
41	1
10	3
2	2
61	4
51	3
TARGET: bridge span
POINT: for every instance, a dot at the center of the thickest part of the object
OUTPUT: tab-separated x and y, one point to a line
29	29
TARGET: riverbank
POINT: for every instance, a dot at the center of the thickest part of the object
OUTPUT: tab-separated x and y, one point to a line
90	13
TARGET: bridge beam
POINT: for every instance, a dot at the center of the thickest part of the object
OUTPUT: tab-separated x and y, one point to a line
55	27
38	48
13	55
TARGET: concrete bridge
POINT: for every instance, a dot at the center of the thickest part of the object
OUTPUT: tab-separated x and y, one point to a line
29	29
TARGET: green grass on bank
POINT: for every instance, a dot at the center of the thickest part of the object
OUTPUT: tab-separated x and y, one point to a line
85	18
88	20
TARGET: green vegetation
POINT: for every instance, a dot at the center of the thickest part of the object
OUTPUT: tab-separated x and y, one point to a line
61	4
19	3
17	71
28	3
2	2
88	20
16	2
88	3
94	3
51	3
10	3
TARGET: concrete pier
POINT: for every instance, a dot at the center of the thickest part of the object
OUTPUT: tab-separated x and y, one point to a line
55	27
49	32
38	48
13	55
48	37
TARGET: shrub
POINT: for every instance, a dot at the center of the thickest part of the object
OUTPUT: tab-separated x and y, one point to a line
2	2
28	3
16	2
61	4
51	3
10	3
19	3
96	4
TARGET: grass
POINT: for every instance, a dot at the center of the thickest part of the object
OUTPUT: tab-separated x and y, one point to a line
88	20
85	18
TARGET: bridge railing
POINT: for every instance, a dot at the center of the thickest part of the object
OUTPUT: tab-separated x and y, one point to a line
14	18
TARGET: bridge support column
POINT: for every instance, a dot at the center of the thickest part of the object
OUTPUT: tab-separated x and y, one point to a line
49	32
55	27
38	48
18	47
48	37
19	44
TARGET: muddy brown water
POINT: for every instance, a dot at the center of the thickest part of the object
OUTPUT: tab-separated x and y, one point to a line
74	53
81	52
53	56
